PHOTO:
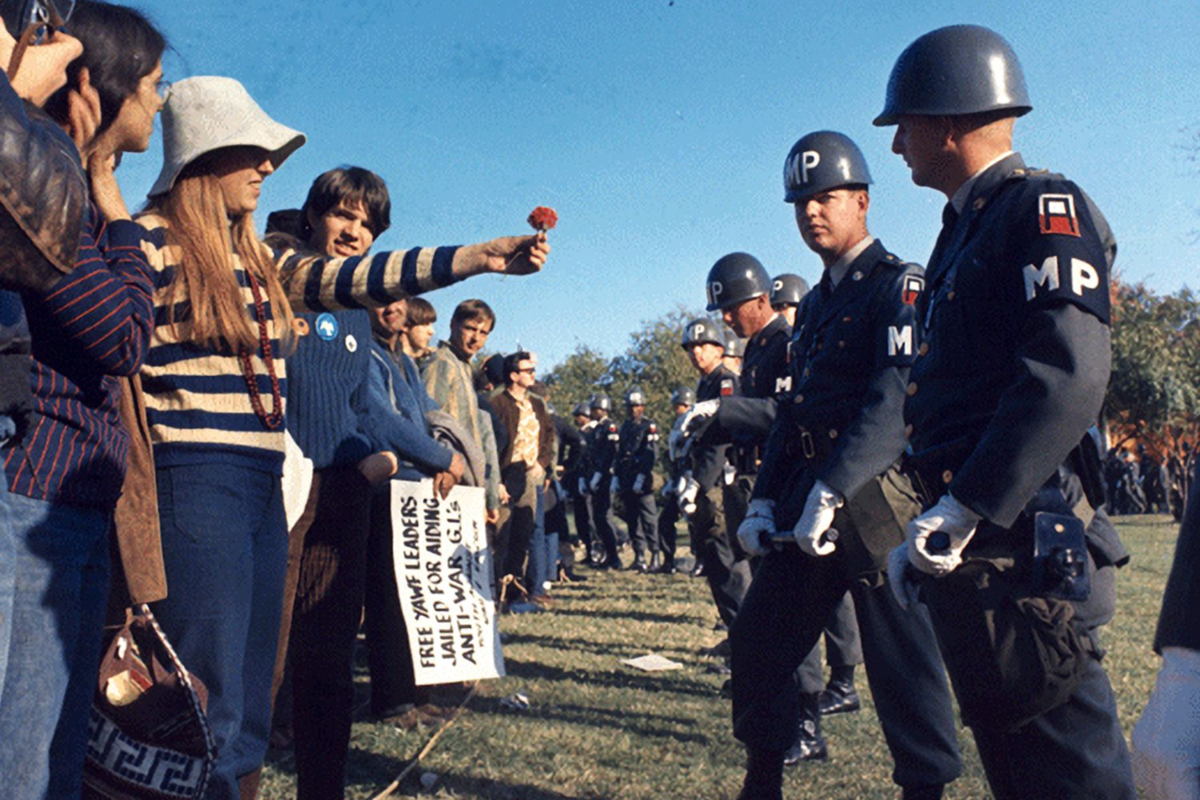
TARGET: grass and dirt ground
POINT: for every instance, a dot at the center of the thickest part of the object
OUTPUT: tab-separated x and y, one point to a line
598	729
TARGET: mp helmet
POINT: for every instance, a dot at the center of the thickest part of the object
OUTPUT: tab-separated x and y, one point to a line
683	396
735	278
821	161
635	397
581	410
788	290
960	69
601	402
735	348
701	331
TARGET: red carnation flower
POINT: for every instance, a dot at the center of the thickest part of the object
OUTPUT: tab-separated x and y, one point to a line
543	218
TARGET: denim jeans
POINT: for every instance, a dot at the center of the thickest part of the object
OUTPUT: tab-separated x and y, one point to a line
224	536
53	592
540	561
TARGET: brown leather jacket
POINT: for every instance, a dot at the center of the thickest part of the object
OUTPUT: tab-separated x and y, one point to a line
42	195
510	415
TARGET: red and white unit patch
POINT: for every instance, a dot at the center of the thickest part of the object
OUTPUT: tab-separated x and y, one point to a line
913	285
726	388
1056	214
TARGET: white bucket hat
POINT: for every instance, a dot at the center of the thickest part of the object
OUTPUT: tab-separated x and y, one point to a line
207	113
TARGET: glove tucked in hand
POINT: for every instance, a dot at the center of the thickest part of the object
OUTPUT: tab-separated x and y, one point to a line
754	533
900	578
687	496
583	487
816	519
698	415
595	484
948	517
614	485
639	483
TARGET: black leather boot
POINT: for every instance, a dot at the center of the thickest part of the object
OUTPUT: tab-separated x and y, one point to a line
810	744
840	696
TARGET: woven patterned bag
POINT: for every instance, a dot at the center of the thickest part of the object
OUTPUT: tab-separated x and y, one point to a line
148	736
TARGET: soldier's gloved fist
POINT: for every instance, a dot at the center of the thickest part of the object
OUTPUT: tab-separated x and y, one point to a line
687	495
583	487
941	554
614	485
595	484
900	577
817	518
639	483
699	415
754	533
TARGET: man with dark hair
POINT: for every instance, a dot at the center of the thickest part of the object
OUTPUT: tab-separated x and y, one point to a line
524	464
1012	369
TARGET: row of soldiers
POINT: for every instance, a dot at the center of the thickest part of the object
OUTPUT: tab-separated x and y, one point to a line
920	439
1145	485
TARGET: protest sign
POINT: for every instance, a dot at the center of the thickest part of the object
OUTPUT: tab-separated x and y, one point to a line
444	574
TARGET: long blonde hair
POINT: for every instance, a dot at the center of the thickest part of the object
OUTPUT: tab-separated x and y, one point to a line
204	275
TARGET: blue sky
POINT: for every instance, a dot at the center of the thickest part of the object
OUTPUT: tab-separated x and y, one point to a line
658	129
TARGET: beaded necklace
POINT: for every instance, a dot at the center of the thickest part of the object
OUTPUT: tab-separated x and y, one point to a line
273	420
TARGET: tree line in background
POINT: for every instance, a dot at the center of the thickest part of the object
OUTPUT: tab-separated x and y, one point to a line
1153	394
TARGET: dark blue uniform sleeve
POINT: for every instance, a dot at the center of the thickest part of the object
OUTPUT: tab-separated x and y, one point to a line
1057	255
647	455
876	437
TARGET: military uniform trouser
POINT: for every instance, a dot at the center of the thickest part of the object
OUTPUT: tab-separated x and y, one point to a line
581	506
725	566
781	620
843	647
668	516
604	524
1075	749
641	518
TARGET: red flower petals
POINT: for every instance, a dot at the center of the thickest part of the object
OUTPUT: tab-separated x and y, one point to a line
543	218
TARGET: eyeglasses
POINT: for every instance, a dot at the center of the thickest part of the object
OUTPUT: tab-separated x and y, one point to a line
163	89
530	370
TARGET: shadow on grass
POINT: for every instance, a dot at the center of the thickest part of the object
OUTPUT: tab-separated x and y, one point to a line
640	616
615	679
621	720
477	786
573	645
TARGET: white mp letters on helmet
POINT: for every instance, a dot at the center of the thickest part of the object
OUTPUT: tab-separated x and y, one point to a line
801	163
1083	277
900	340
715	290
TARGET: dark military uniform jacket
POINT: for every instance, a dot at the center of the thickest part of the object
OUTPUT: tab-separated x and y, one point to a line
1014	357
710	452
602	443
749	415
1179	620
636	453
849	360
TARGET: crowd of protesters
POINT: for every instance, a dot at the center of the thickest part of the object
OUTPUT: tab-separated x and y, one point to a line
144	429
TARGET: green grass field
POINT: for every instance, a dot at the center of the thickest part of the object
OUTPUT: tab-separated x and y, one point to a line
599	729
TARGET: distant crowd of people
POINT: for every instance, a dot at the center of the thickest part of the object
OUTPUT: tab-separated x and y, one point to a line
1138	482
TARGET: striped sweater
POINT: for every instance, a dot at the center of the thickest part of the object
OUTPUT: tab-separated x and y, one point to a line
93	327
197	402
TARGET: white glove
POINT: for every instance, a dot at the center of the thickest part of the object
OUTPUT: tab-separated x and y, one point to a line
638	483
595	484
583	487
687	496
948	517
904	588
755	531
816	519
697	415
682	483
614	485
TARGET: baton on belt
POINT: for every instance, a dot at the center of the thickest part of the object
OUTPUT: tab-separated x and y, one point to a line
787	537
